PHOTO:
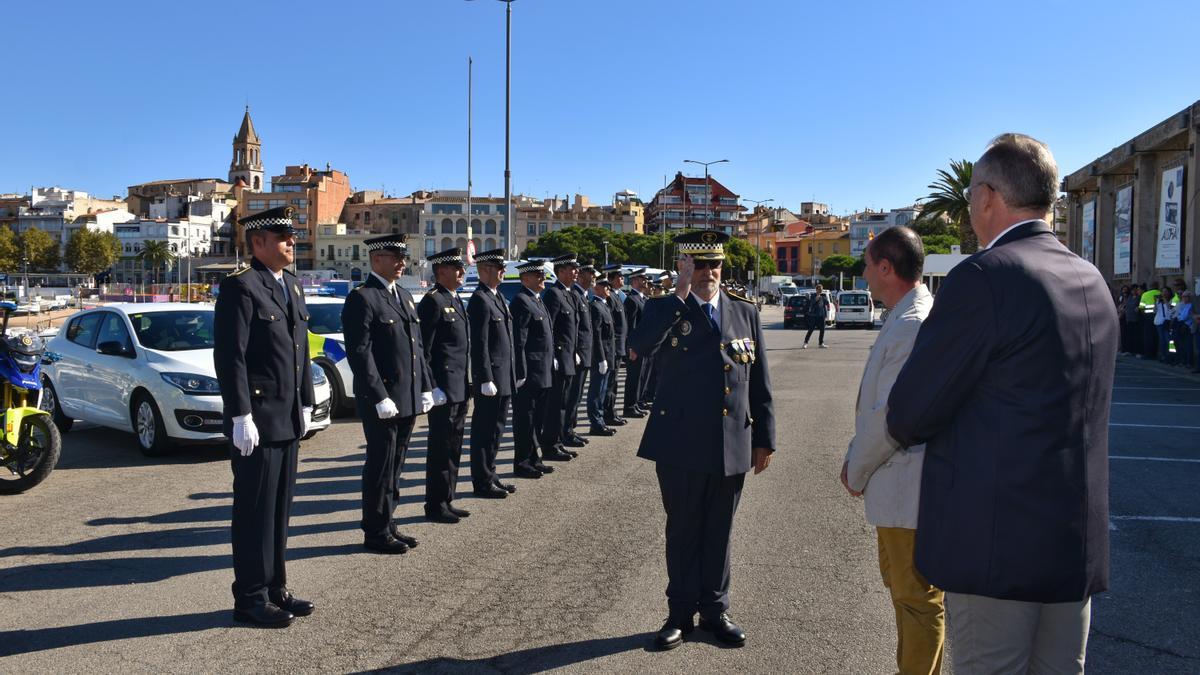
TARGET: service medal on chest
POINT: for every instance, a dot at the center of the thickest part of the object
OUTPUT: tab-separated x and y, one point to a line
685	327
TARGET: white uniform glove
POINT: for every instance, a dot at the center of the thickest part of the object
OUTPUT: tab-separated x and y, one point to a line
439	396
520	383
576	359
556	364
386	409
426	401
488	389
603	367
305	420
245	434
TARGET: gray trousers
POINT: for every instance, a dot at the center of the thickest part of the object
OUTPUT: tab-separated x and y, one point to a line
999	637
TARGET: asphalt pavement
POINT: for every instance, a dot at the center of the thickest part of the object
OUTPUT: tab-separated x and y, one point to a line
120	562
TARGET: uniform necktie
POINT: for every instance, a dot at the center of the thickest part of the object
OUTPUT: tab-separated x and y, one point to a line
283	287
708	311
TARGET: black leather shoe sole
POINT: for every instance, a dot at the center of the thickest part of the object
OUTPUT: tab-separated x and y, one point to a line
444	518
603	432
556	457
667	644
389	547
296	606
572	443
724	637
616	422
461	513
244	616
543	468
494	493
527	473
636	414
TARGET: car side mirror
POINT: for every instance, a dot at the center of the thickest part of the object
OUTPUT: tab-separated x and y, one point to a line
114	348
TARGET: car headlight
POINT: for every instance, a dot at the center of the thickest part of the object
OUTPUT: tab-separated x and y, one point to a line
318	375
196	385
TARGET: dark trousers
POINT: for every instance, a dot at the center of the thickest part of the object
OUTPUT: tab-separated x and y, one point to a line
387	443
633	382
1183	344
597	398
1131	337
574	396
816	323
263	483
556	407
446	424
700	509
648	382
1149	337
610	392
487	427
529	411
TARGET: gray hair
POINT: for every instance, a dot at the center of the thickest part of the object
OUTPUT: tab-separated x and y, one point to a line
901	247
1021	169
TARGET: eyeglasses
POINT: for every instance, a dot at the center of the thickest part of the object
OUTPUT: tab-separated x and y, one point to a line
971	189
708	264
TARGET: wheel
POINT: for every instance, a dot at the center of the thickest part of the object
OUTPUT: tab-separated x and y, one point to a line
148	426
50	404
37	452
338	403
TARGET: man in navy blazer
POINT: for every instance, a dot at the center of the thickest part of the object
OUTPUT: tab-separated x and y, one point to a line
1009	385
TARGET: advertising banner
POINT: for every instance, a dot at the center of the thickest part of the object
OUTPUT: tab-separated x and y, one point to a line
1170	220
1123	231
1089	232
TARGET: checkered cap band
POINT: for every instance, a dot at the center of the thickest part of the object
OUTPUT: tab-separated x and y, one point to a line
380	245
701	249
489	257
531	266
268	222
441	259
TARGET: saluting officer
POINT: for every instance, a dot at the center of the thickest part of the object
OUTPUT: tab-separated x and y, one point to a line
392	384
616	307
492	371
711	422
446	338
559	300
260	353
635	304
603	358
583	347
533	356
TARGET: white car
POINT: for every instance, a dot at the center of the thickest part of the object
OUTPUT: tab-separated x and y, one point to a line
854	308
144	368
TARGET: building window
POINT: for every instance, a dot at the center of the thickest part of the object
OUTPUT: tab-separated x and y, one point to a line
430	230
820	249
429	247
257	205
619	228
541	228
447	226
354	254
531	229
302	218
366	217
276	203
446	243
460	227
489	227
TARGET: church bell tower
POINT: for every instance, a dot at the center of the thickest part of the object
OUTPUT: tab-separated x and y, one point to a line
247	160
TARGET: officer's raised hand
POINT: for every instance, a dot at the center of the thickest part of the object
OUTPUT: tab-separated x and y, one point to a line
685	266
386	409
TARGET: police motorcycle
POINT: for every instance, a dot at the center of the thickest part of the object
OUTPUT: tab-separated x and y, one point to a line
30	443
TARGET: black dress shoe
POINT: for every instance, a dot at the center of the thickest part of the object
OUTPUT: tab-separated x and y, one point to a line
490	492
572	453
461	513
266	615
725	630
556	456
615	421
577	437
385	544
441	516
574	442
510	489
543	468
602	431
527	472
289	603
394	529
636	413
671	634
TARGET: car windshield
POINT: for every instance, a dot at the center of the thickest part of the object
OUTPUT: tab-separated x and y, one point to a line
797	300
853	300
174	331
325	318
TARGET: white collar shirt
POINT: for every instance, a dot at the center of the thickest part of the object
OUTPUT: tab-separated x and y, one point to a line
1008	229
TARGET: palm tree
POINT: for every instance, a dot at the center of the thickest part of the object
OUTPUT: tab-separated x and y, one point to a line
156	254
949	198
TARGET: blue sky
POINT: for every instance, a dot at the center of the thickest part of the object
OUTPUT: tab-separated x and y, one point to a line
856	104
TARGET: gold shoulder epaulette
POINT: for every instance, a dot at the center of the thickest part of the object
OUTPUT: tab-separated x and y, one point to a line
241	271
743	298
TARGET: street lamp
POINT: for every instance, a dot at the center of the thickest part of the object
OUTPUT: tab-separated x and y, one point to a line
707	191
508	216
605	242
758	249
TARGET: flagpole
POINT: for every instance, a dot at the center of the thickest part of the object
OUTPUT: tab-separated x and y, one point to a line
470	230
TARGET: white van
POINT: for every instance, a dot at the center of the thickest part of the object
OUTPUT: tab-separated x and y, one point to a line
854	308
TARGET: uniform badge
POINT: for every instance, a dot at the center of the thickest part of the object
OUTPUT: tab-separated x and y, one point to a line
674	341
26	340
685	327
296	287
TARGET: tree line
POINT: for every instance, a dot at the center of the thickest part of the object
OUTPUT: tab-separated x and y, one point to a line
86	252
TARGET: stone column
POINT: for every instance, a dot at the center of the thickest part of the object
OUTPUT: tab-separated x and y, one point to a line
1105	217
1145	218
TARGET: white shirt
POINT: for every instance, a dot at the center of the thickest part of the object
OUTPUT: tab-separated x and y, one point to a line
389	285
1008	229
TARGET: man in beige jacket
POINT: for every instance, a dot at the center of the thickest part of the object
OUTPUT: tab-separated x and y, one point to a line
876	466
